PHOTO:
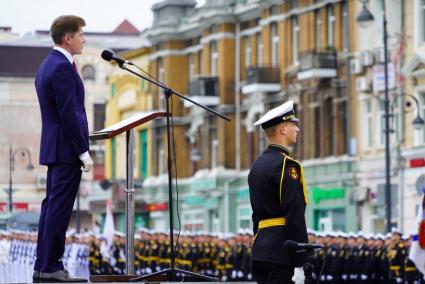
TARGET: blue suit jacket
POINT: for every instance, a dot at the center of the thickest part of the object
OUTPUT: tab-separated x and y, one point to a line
60	91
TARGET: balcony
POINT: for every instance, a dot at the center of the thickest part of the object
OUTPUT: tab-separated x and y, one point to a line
262	79
317	65
204	90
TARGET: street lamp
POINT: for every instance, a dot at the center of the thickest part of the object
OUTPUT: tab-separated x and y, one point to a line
365	19
418	122
23	153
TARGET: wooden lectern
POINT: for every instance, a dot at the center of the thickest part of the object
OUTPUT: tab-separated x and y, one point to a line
127	126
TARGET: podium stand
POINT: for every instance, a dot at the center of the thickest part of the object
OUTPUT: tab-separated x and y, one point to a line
127	126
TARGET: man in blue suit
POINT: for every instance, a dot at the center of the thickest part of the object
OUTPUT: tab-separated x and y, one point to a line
64	147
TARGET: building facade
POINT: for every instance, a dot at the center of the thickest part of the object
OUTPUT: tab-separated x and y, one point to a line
243	58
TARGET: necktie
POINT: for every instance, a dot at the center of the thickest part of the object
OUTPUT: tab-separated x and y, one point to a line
75	66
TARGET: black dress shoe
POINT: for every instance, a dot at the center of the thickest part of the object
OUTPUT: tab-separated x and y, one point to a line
59	276
36	276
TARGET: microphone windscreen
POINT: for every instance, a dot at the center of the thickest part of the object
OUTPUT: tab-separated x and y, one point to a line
107	55
290	246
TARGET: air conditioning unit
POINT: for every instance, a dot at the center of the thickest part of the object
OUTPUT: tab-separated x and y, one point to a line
380	55
367	58
362	85
41	181
356	66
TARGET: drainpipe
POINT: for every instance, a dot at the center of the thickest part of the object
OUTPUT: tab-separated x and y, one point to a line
346	51
400	131
237	99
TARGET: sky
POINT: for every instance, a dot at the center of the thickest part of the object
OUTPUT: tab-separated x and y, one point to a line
101	15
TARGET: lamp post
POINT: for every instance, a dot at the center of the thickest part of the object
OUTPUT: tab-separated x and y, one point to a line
24	153
365	19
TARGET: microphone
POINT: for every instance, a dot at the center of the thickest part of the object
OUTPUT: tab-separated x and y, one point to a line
293	246
108	56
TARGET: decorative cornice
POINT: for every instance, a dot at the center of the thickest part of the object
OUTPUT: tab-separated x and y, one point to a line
175	52
217	36
191	49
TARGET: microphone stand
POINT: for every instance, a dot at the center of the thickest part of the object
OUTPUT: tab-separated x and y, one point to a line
172	271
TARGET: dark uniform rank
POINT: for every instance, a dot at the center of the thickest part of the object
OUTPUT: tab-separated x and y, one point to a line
94	259
396	256
411	274
278	200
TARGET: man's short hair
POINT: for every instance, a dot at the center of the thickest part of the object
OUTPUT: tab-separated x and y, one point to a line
67	24
271	131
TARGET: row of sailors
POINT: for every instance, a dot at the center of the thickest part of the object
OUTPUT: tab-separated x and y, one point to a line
18	254
363	258
347	258
226	257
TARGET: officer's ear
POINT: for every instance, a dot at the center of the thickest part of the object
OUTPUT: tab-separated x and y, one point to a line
282	128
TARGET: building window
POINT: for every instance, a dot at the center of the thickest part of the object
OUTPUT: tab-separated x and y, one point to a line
200	62
259	49
368	123
193	220
113	157
330	126
331	25
275	44
318	29
88	73
212	122
345	121
317	136
247	52
113	90
99	110
191	67
422	27
273	10
160	151
244	217
143	154
380	141
161	79
295	40
214	58
213	29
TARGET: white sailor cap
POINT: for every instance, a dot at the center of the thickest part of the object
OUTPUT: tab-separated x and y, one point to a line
284	112
119	234
395	230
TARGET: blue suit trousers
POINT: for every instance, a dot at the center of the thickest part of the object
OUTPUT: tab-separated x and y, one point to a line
63	181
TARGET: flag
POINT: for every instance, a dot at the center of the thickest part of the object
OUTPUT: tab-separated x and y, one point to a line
417	253
109	228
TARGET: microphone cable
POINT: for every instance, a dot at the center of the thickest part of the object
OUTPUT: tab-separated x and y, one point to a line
149	75
172	140
175	178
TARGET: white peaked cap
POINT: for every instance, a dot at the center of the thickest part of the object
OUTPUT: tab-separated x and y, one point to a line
284	112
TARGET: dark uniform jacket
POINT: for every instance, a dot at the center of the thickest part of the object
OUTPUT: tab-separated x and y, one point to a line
276	190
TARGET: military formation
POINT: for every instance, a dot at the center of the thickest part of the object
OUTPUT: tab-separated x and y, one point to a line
227	257
346	258
363	258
